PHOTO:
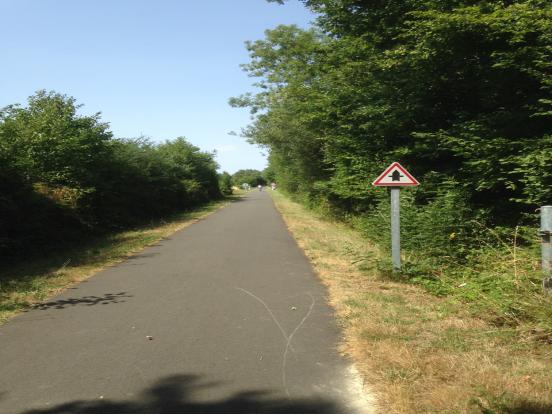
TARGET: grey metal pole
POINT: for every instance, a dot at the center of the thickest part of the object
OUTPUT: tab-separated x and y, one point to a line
546	246
396	228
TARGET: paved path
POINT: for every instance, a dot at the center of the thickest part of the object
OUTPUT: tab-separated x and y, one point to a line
225	316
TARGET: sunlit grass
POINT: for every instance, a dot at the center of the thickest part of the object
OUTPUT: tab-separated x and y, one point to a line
418	352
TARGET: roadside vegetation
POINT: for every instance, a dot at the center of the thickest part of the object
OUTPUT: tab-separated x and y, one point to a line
460	93
64	177
74	199
249	176
421	353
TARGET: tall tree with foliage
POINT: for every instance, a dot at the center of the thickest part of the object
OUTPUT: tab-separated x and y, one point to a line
459	91
63	176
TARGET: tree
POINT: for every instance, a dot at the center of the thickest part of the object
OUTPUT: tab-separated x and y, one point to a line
458	91
225	183
251	177
54	146
62	175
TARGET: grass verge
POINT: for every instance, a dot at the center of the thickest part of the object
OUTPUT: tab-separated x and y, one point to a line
418	352
35	280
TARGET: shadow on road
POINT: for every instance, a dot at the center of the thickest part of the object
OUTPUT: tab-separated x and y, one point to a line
238	198
106	299
172	395
143	255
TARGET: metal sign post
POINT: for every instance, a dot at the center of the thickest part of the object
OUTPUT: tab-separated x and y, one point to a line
396	227
546	246
395	176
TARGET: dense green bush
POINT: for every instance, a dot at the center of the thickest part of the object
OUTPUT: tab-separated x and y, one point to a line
457	91
438	228
225	183
63	176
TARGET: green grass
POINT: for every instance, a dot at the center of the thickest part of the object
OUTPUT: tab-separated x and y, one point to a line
34	280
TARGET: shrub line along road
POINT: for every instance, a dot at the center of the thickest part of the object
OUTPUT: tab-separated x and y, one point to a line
225	316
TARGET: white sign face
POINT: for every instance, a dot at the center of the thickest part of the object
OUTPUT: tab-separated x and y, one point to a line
395	175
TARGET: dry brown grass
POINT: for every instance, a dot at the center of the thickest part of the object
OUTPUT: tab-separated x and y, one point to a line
417	352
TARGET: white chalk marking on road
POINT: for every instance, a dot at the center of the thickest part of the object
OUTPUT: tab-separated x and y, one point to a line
288	344
287	338
268	310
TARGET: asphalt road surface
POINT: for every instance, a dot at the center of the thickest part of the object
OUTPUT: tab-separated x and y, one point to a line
225	316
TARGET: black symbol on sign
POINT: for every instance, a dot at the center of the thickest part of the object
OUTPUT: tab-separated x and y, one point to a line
396	176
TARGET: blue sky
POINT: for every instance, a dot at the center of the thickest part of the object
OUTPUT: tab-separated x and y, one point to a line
162	68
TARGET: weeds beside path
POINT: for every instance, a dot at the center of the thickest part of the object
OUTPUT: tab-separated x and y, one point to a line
418	352
25	284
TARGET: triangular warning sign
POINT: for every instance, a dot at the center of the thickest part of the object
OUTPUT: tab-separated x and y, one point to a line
395	175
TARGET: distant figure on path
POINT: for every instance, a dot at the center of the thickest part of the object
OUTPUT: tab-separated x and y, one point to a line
260	187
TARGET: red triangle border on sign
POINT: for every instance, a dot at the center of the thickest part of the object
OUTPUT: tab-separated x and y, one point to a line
378	180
